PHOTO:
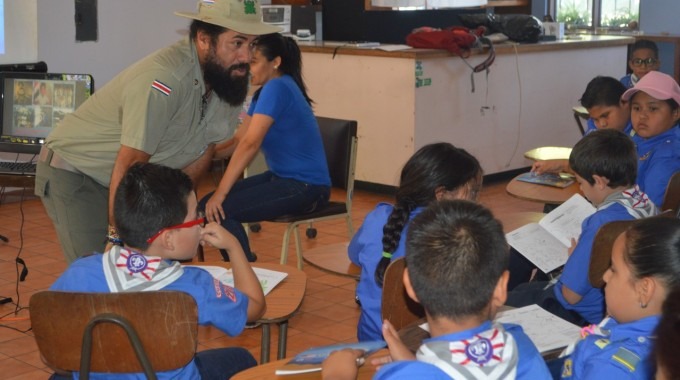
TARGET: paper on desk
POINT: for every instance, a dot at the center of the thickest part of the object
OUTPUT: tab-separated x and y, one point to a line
393	47
268	278
546	330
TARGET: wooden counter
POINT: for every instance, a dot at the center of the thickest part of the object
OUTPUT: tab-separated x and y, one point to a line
584	41
404	100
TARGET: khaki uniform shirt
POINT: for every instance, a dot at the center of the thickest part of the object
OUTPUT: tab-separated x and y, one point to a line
154	106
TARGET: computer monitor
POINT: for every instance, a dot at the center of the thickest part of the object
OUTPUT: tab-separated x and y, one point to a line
34	103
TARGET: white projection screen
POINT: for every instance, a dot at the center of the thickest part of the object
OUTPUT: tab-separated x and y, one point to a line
19	31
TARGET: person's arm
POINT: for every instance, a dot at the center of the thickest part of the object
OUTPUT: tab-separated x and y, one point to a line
196	169
245	279
551	166
126	157
341	365
253	131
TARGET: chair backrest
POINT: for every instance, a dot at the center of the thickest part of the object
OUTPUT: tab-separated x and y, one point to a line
601	253
397	306
339	141
671	199
581	115
166	323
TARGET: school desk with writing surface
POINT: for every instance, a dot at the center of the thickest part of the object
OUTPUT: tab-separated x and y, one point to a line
540	193
333	259
267	371
282	303
548	153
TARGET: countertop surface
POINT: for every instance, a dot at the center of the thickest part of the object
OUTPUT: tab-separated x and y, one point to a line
571	42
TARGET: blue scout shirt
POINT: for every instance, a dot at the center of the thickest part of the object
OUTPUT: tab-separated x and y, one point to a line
365	250
575	273
658	159
530	365
623	354
590	127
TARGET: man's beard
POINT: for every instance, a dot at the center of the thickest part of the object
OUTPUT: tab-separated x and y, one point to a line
232	89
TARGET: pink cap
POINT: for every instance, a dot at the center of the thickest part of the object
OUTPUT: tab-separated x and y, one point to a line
658	85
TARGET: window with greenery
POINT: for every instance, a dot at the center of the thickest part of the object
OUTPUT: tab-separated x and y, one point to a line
590	14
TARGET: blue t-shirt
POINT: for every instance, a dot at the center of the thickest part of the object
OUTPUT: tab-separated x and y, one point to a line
218	304
658	159
292	146
365	250
575	274
624	354
530	365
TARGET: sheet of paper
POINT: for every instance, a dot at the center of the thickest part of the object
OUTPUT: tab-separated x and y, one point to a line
393	47
268	278
538	246
565	221
547	331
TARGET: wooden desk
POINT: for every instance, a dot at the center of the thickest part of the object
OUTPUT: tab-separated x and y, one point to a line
332	258
282	302
14	180
548	153
541	193
267	371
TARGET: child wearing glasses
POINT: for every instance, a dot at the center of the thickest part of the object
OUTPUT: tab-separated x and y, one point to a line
155	210
655	114
644	57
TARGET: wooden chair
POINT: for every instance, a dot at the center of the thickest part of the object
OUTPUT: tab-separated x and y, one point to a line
145	332
340	144
671	199
397	306
601	254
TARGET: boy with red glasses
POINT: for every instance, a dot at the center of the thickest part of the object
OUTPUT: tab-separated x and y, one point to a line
155	212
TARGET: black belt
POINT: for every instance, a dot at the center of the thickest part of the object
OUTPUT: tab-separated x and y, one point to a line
54	160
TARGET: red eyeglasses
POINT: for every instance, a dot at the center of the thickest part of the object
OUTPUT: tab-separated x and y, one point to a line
201	221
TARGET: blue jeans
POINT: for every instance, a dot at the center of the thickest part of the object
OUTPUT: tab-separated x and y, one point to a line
218	363
263	197
223	363
542	293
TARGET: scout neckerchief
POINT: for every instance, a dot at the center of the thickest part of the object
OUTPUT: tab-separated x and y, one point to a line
491	354
130	271
588	330
635	201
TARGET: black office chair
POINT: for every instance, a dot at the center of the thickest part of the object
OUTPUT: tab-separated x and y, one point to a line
340	144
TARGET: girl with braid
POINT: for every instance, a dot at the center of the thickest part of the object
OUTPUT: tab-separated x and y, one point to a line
435	172
281	123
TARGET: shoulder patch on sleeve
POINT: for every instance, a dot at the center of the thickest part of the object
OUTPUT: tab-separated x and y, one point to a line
567	368
602	343
626	357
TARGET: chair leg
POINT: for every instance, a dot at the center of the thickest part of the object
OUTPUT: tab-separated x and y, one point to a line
199	254
350	229
298	248
286	241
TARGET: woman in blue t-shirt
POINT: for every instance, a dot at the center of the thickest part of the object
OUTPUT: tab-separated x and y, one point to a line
281	123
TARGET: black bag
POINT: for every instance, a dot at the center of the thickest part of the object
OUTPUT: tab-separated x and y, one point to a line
519	28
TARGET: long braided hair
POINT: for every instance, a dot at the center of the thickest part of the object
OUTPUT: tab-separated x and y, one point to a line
433	167
276	45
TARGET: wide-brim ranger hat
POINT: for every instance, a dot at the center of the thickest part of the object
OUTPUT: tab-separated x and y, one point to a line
657	85
243	16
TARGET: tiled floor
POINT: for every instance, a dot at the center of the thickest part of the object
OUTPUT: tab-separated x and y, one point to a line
328	313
